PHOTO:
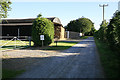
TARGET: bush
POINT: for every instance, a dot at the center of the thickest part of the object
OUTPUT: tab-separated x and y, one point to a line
42	26
102	31
91	33
110	33
113	31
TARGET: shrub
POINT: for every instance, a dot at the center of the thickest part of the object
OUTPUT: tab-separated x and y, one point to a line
42	26
113	31
110	33
102	31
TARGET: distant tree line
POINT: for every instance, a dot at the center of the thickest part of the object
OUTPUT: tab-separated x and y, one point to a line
82	25
110	32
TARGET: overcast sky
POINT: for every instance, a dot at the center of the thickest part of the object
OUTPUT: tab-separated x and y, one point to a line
65	11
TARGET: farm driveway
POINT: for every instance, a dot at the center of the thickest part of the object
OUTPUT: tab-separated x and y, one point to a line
79	61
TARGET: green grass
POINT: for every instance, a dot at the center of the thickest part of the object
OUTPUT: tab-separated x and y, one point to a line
11	44
84	37
11	73
109	60
60	45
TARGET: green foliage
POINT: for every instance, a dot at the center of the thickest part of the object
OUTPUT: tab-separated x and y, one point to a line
101	33
80	25
39	15
91	33
109	59
83	37
102	30
113	31
117	27
42	26
4	8
110	33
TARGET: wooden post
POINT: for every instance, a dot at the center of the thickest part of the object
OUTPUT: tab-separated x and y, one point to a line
18	33
42	43
29	41
15	42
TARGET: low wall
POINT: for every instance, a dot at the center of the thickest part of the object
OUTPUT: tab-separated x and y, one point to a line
72	35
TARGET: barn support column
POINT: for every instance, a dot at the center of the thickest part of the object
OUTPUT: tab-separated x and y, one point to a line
18	33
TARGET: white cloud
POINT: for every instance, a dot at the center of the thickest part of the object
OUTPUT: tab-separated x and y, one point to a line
64	0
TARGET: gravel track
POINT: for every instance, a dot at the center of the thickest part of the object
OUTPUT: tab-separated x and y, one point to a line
79	61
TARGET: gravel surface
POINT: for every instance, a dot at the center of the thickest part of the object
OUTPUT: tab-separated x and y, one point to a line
79	61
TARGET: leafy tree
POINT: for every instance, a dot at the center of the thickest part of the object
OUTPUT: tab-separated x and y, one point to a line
96	34
117	28
102	31
4	8
84	25
72	26
42	26
91	33
110	33
113	31
80	25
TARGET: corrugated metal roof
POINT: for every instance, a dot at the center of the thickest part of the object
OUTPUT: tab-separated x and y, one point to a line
17	24
28	20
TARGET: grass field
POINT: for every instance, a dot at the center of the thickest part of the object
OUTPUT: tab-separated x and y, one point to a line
7	44
109	60
61	45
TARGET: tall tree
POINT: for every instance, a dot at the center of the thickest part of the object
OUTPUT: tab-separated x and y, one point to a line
4	8
102	31
82	25
91	33
113	31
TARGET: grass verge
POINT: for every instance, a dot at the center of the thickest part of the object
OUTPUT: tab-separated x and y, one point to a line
109	60
11	73
61	45
12	44
83	37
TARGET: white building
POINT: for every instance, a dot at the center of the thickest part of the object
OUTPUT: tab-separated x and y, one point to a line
119	6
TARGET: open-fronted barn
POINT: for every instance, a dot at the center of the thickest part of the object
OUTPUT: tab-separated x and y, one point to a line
23	27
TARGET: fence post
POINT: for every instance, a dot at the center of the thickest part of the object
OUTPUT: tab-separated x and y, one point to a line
68	34
15	41
29	41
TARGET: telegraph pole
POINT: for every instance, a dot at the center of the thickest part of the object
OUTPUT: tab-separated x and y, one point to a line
104	5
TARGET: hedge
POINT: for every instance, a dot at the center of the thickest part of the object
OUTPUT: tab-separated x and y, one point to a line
42	26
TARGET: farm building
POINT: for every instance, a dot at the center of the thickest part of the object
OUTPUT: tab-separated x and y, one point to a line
23	27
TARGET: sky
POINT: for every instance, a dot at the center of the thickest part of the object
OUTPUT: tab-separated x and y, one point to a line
64	10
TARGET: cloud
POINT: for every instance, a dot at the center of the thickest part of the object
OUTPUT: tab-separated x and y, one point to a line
64	0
